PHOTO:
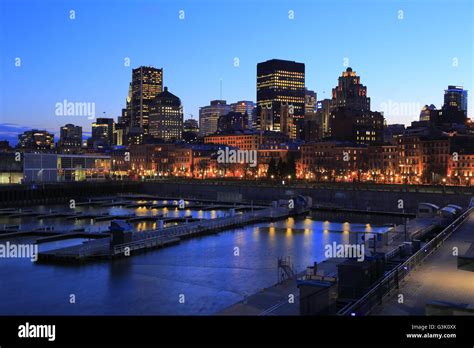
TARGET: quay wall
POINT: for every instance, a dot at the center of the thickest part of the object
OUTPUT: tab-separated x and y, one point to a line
376	198
340	195
37	194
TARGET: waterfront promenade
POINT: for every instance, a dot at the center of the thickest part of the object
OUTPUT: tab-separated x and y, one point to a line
275	300
437	279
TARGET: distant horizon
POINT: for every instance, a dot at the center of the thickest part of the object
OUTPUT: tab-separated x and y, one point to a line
405	65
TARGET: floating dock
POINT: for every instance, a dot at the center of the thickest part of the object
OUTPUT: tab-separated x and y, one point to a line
145	240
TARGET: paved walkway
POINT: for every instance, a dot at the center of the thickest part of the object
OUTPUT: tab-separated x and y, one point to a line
437	279
275	299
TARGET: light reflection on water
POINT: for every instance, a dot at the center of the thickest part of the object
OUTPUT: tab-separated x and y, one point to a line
205	269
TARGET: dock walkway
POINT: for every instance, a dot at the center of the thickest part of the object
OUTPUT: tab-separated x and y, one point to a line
437	279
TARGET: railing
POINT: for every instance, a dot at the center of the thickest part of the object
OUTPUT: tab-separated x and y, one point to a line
393	252
376	294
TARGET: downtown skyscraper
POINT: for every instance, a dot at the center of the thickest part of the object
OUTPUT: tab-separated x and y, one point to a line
280	87
147	83
209	116
166	117
351	118
350	93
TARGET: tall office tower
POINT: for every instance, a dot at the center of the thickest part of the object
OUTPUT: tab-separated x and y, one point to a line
323	117
120	134
455	97
309	104
147	83
350	93
166	117
70	138
351	119
209	116
245	106
279	82
125	118
103	132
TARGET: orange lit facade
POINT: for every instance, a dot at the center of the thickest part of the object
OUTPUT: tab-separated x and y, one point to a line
383	163
461	169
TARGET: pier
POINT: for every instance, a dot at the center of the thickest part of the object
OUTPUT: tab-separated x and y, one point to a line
437	286
141	241
439	256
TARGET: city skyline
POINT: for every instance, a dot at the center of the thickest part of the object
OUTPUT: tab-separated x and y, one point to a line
182	75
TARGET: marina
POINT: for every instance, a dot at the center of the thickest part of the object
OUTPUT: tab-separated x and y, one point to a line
112	231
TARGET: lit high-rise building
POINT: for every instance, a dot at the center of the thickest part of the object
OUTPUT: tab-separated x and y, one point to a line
36	140
351	119
350	93
70	138
455	97
426	113
147	83
323	117
166	117
103	132
209	116
279	82
245	106
310	99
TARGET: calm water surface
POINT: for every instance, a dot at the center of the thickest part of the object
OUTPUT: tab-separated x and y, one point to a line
204	269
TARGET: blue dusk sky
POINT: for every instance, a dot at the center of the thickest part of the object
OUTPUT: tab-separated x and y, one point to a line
406	52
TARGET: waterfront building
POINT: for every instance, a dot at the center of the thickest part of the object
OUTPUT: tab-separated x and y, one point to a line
11	170
332	161
424	157
41	167
248	140
383	163
275	153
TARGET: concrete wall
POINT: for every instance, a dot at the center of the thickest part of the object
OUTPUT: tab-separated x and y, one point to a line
353	198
